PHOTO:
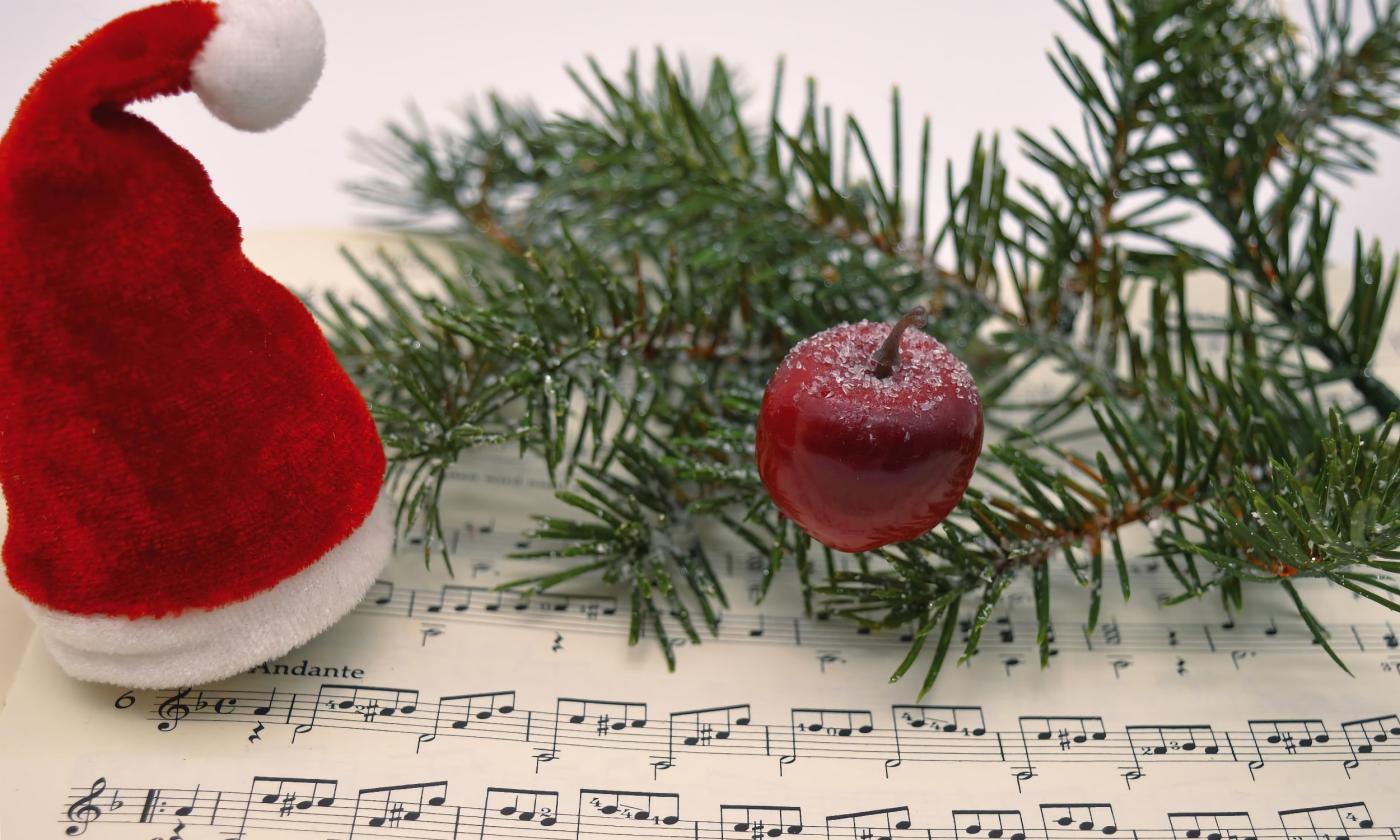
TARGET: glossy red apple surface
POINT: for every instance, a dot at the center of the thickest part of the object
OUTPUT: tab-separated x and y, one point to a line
860	460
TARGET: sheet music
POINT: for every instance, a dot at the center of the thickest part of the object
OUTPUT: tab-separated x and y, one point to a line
443	708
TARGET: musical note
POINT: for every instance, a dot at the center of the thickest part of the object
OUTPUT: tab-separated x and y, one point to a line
1326	822
964	720
157	802
266	707
1211	825
1284	736
458	599
430	630
594	607
923	729
286	797
552	602
657	808
757	632
1156	740
480	706
608	716
473	530
394	805
459	710
512	806
1112	635
758	821
1066	732
1366	735
997	825
841	723
336	704
1006	633
701	727
1082	816
381	593
812	729
365	700
879	824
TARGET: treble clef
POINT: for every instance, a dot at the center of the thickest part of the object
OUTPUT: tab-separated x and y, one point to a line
83	811
173	710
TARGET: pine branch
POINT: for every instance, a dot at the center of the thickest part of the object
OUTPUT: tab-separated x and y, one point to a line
615	287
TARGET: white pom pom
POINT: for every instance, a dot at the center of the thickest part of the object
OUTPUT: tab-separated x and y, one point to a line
260	64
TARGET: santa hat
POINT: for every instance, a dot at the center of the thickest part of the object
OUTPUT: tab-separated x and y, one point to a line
193	482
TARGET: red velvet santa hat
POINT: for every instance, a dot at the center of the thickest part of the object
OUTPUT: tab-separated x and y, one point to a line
193	482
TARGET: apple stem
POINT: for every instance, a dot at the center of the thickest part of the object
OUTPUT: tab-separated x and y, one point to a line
886	359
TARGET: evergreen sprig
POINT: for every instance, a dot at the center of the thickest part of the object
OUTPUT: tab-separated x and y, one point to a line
614	288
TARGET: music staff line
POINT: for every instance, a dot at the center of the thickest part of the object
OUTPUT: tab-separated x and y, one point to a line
282	806
600	614
909	734
480	545
487	541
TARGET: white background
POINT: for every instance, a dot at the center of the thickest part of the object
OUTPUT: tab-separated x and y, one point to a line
974	65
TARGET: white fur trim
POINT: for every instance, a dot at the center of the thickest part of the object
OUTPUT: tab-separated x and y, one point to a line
200	646
261	62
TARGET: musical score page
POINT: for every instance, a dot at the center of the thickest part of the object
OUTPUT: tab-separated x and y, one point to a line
445	708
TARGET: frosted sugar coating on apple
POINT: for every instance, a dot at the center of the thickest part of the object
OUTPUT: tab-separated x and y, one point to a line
843	364
858	459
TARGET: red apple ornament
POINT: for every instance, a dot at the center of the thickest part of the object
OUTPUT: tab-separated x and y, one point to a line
868	434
